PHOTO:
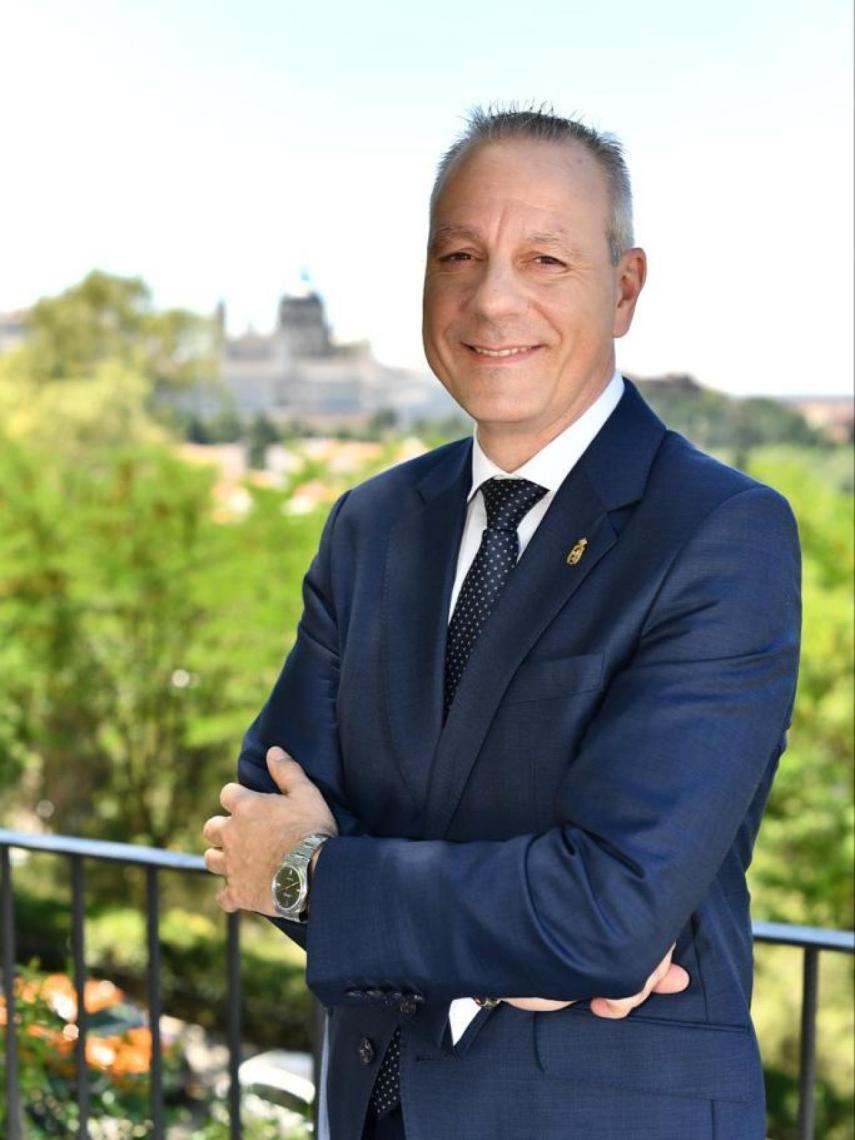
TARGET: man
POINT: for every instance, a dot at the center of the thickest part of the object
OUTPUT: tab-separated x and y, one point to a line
557	795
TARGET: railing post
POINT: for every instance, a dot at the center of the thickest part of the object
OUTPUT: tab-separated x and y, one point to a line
807	1049
154	1001
7	911
319	1022
234	1021
78	914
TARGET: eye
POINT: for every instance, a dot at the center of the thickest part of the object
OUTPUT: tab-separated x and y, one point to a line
548	259
457	255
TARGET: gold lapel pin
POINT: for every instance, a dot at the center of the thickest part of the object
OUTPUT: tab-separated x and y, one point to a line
577	552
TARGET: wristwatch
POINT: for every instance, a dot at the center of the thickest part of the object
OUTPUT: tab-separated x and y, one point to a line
291	882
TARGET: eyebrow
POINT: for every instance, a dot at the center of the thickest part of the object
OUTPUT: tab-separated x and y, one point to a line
558	237
452	231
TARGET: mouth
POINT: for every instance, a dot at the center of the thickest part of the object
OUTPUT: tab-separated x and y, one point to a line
508	352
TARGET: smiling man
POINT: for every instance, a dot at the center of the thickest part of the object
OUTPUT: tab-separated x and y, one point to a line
531	274
538	694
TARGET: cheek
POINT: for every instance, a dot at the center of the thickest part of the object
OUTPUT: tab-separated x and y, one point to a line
443	300
579	324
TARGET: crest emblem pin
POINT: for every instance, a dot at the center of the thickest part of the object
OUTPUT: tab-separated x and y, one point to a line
577	552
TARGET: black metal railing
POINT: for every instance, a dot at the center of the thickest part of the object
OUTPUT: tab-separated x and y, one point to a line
153	861
811	940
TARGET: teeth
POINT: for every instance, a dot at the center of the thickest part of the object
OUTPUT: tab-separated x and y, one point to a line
500	351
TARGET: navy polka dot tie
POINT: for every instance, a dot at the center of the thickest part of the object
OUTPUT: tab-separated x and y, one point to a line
507	502
386	1093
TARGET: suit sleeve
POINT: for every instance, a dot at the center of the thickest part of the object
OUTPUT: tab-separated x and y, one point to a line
300	714
649	807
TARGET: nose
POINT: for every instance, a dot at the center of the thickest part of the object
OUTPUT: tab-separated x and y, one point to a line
497	293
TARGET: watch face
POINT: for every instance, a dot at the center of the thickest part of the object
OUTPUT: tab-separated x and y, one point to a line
288	887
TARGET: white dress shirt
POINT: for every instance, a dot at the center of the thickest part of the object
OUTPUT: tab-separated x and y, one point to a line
549	467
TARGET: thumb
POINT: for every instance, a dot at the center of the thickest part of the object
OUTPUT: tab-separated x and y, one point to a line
283	768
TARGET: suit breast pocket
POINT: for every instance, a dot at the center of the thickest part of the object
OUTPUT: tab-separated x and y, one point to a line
544	679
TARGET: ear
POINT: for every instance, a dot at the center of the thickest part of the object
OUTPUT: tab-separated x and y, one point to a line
630	275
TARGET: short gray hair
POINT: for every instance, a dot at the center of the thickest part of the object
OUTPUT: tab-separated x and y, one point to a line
497	124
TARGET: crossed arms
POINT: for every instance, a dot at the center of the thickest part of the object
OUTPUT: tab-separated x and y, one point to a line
649	807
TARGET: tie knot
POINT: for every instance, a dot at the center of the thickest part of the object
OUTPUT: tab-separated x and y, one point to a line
509	500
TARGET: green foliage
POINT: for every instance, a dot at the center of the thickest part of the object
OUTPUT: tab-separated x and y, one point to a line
714	420
119	1091
145	609
97	361
262	432
804	855
193	976
46	1075
109	319
224	427
136	634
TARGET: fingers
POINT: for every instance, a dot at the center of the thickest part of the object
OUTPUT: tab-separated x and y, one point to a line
537	1005
231	795
614	1008
285	770
213	829
215	861
667	978
675	980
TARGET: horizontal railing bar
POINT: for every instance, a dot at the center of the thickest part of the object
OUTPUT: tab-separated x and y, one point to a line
813	937
101	849
770	932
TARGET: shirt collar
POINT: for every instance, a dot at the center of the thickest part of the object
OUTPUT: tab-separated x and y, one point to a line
550	466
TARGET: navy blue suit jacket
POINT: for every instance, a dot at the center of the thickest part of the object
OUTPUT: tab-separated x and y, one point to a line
592	797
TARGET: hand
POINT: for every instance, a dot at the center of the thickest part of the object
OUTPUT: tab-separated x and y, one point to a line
248	845
667	978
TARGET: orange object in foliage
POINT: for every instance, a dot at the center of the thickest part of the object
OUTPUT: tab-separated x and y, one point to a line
123	1053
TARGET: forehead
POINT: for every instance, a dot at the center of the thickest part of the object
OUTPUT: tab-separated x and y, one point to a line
531	181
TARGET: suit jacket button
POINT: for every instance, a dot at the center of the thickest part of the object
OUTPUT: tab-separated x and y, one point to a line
408	1006
365	1051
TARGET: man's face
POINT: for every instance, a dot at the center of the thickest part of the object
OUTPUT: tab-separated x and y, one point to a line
521	303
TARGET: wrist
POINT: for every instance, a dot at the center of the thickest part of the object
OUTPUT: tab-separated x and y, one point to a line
292	879
310	873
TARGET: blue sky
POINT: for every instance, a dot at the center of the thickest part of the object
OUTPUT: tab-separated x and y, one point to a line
217	148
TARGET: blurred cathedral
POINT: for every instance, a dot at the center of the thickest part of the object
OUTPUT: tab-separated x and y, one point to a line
298	372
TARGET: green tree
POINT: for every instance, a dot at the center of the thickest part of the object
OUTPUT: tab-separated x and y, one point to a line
262	432
100	363
139	629
106	318
803	864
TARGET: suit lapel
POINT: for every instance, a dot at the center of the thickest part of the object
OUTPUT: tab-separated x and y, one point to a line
539	585
421	561
435	759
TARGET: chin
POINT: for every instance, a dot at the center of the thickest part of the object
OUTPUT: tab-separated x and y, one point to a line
488	412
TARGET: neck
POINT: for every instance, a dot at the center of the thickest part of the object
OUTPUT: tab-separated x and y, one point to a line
509	445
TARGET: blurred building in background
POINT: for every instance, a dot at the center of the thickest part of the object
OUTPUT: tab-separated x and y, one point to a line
298	371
